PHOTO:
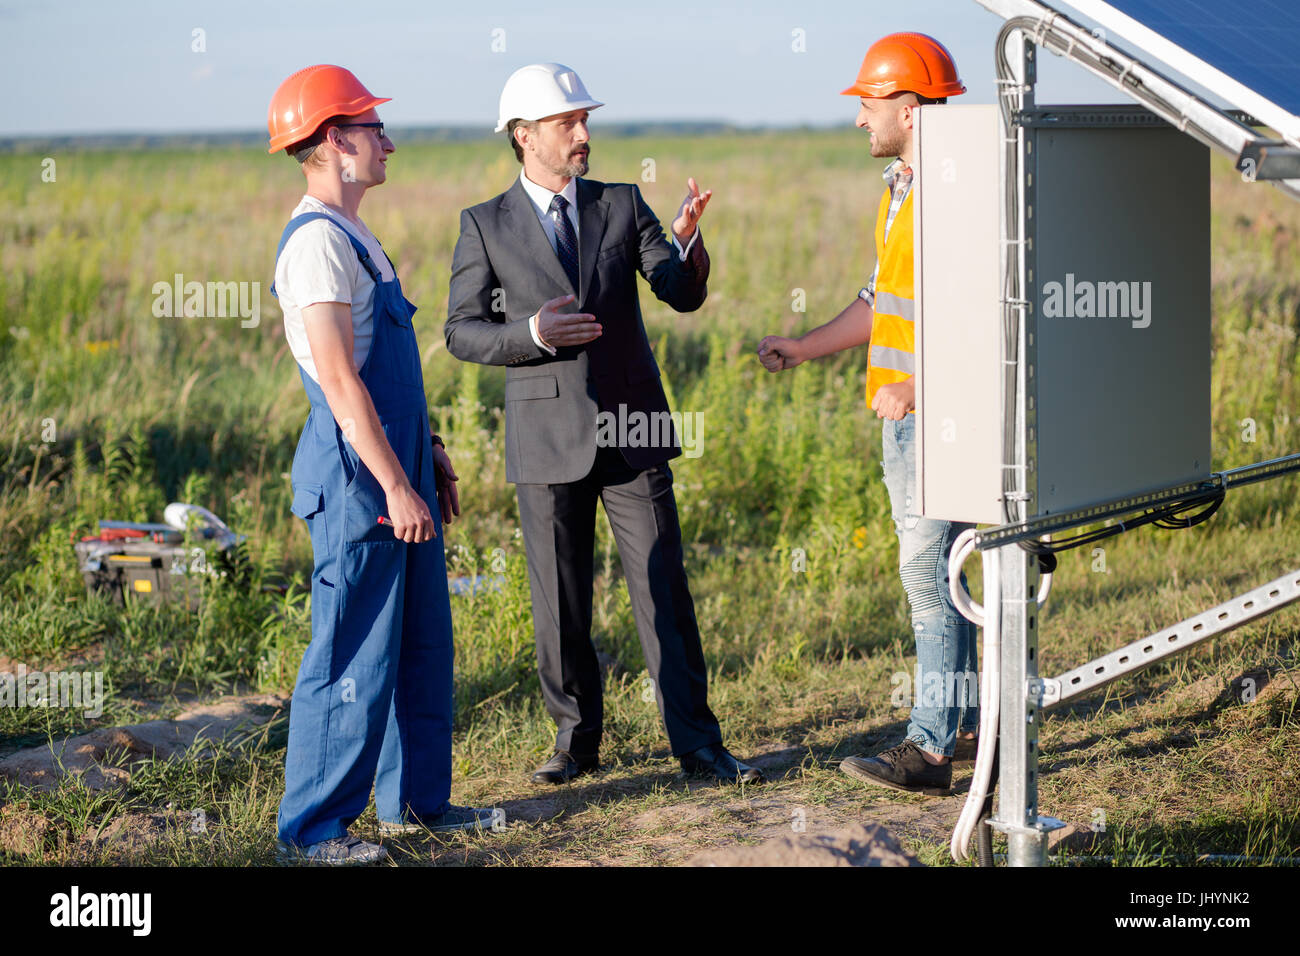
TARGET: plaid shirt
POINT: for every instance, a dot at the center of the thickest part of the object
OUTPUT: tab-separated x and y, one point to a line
898	177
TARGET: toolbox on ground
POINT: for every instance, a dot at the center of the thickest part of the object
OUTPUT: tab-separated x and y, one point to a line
149	561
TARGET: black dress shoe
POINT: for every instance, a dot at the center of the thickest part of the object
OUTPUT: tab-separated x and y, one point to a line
717	761
563	767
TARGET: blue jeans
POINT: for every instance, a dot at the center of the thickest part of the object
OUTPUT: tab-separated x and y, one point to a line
946	685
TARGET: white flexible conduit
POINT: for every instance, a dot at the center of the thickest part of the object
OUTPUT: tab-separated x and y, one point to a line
972	611
990	697
989	618
961	549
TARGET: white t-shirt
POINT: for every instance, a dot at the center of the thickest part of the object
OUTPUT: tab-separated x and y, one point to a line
319	265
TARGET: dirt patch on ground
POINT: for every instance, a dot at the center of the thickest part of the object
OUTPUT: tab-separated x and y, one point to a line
23	832
132	834
103	757
69	660
858	845
1199	696
532	811
723	820
1266	700
761	818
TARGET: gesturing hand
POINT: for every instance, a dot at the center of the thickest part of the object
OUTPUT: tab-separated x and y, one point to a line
690	211
565	328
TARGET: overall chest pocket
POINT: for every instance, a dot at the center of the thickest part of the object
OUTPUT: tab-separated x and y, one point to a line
403	349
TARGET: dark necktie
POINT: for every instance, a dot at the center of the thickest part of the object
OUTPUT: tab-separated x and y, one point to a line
566	244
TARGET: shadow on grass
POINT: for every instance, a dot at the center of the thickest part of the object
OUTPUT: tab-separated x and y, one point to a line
1183	731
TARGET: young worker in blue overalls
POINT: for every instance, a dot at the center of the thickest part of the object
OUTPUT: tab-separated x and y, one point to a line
373	701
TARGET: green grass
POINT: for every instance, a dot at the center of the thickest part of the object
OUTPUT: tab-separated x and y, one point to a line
146	410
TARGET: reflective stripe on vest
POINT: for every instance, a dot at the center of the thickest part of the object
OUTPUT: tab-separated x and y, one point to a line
892	355
895	305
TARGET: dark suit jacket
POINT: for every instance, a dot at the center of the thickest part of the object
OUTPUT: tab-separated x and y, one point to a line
504	270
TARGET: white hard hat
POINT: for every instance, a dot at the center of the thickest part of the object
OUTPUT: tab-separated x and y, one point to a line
542	89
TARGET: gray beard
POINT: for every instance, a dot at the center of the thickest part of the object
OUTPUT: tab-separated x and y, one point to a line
575	168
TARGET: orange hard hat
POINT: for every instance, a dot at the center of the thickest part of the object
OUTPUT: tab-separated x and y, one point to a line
907	61
311	96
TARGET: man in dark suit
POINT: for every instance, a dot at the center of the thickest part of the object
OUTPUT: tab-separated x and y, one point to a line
554	241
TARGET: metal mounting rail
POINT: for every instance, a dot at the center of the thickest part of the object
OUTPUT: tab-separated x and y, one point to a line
1049	692
1192	491
1261	159
1269	159
1260	471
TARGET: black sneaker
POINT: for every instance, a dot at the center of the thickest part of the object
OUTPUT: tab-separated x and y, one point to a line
902	768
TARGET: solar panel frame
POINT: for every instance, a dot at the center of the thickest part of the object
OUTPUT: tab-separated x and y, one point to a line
1246	54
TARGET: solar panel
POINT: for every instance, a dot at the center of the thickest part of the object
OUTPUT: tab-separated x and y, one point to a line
1246	53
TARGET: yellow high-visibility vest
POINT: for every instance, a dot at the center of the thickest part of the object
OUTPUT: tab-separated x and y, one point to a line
892	356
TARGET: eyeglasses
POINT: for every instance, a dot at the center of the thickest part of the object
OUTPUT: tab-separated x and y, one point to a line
377	127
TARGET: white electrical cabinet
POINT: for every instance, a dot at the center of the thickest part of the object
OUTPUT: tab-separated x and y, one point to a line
1117	324
955	284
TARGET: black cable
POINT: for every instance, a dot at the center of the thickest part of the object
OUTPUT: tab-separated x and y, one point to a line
1194	519
984	832
1170	516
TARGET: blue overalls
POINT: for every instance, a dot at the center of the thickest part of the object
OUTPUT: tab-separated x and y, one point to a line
373	702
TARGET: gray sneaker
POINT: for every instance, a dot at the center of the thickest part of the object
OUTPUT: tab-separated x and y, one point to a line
339	851
452	819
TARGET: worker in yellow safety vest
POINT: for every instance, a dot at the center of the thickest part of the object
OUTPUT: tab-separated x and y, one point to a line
901	72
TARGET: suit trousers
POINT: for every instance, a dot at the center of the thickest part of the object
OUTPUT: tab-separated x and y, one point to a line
559	524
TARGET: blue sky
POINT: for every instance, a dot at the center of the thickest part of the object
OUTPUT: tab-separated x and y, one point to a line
84	66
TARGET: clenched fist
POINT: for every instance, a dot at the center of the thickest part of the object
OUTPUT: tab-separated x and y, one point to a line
777	353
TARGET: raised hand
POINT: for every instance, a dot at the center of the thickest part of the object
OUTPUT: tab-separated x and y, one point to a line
690	211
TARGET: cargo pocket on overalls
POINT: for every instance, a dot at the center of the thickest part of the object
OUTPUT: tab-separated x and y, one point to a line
309	504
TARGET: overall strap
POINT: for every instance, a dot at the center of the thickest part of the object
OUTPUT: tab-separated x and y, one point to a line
362	253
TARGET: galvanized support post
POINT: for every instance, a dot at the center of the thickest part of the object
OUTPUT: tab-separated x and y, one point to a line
1017	814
